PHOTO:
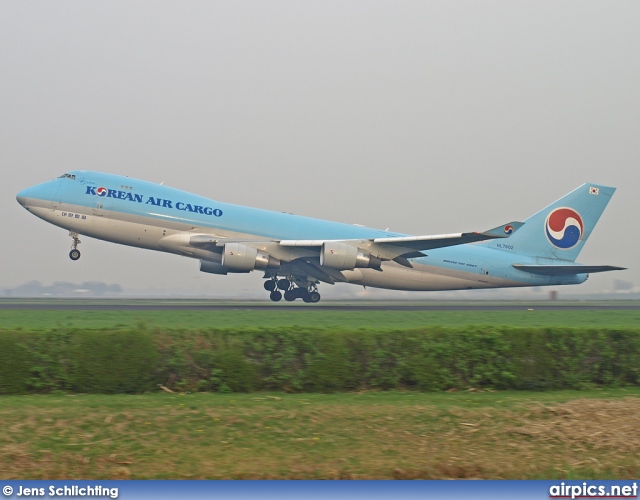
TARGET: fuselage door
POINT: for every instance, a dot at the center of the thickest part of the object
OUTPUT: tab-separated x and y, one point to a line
98	208
55	199
100	204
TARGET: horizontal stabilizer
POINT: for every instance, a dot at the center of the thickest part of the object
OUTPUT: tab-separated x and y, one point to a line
565	270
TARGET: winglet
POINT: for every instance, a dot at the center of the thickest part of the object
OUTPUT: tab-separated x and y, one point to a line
503	231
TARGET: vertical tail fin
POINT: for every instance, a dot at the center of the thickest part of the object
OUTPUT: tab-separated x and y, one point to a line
560	230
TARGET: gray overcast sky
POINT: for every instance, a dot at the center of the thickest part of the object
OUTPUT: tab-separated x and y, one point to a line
423	116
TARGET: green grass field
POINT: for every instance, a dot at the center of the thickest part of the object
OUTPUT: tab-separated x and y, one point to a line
381	435
317	317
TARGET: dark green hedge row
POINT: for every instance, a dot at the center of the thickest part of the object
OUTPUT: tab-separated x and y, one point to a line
433	359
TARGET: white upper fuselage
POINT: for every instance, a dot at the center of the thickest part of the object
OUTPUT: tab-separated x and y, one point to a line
147	215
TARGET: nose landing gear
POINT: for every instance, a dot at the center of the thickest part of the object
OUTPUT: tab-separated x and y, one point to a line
74	254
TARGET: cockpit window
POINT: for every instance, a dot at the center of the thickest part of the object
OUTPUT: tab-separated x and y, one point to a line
68	176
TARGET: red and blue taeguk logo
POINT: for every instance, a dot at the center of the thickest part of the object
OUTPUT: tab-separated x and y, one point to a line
508	229
564	228
101	191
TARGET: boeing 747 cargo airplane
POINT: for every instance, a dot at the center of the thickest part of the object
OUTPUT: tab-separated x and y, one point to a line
297	253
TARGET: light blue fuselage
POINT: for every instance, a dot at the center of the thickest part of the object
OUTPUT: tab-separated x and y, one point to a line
143	214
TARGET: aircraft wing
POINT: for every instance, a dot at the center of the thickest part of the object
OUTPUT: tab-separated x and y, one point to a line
401	248
406	242
447	240
306	252
565	270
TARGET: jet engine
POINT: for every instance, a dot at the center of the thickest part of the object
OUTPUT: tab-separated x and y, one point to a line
207	266
239	258
342	256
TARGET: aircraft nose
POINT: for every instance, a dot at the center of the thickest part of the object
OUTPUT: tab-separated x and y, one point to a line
22	197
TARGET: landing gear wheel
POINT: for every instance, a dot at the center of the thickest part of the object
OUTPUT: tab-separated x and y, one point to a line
74	254
270	285
276	296
284	284
314	297
290	295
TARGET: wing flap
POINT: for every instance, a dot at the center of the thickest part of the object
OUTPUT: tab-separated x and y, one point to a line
317	271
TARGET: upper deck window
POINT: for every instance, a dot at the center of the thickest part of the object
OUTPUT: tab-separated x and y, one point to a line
68	176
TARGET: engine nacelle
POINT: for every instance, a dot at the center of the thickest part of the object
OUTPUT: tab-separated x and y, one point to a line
239	258
342	256
206	266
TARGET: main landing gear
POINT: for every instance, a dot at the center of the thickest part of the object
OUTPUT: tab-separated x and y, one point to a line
74	254
308	293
